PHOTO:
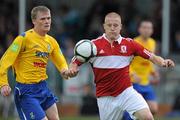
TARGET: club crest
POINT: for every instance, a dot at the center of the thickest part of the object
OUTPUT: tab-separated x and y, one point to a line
123	49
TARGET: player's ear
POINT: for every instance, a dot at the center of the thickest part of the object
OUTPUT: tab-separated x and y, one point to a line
104	25
33	21
121	26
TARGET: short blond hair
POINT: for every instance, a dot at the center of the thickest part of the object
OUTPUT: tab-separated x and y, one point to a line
37	9
112	14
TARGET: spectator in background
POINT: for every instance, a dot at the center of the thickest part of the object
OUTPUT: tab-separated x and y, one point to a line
95	16
89	102
8	20
1	50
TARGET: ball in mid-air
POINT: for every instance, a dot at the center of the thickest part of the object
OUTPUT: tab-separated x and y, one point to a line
84	50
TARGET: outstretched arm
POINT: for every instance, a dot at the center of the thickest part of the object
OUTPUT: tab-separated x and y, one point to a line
141	51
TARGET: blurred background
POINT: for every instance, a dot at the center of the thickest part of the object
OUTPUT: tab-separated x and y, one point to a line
73	20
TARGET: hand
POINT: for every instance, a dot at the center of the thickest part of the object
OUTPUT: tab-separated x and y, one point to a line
136	78
154	82
73	70
155	78
5	90
64	73
168	63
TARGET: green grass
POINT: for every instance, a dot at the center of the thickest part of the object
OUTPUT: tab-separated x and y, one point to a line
95	118
80	118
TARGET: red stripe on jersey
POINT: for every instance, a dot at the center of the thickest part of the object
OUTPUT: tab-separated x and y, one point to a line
111	82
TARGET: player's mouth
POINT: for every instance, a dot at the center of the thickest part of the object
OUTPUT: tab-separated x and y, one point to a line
46	26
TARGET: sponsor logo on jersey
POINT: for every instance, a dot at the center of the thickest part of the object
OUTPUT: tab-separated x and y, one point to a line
42	54
123	49
101	51
14	47
40	64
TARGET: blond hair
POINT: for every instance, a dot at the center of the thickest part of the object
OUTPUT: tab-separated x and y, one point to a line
112	14
37	9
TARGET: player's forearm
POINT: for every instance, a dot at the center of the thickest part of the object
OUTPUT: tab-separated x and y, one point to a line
59	61
157	60
5	63
73	68
3	79
162	62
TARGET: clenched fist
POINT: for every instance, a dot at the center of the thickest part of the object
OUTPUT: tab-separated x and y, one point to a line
5	90
168	63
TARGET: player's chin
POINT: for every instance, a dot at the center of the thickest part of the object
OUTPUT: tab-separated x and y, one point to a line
46	29
114	36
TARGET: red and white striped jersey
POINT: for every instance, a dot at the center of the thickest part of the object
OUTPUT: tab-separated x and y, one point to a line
111	65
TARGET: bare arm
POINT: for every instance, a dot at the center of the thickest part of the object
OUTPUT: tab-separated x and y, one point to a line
161	61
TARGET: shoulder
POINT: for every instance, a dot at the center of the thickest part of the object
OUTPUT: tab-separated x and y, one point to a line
138	38
26	33
98	39
152	40
127	40
51	38
131	43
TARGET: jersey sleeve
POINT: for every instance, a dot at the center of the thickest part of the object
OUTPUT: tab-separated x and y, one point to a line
9	58
57	57
139	50
154	51
76	61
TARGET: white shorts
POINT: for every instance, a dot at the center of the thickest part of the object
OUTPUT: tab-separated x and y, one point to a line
112	108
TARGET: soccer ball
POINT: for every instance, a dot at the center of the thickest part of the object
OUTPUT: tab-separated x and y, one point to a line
84	50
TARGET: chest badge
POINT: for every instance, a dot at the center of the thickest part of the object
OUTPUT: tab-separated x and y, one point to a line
123	49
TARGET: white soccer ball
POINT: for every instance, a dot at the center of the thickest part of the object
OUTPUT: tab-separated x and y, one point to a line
84	50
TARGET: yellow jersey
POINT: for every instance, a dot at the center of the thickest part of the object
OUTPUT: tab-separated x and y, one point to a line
140	66
28	55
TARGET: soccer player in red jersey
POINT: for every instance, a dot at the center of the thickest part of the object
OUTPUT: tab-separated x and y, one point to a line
114	90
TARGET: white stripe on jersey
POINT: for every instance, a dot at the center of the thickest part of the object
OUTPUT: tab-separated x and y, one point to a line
111	61
147	52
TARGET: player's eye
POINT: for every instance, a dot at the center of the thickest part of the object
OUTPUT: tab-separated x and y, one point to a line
42	18
115	25
109	25
48	18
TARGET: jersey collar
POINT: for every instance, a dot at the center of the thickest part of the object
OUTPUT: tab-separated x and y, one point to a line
118	40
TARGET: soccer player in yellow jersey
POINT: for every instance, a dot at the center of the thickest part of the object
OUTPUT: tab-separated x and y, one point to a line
28	55
142	70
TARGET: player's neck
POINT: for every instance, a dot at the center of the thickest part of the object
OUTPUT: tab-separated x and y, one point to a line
111	40
40	32
144	38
